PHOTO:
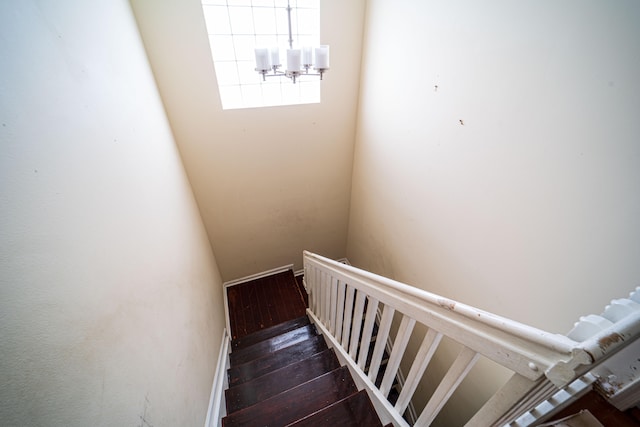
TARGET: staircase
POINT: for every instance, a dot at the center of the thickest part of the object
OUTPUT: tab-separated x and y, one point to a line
281	371
285	375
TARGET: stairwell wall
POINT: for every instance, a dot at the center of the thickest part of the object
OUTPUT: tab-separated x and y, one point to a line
110	297
270	182
497	159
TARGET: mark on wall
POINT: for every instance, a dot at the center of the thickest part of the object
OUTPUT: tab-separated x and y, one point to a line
144	422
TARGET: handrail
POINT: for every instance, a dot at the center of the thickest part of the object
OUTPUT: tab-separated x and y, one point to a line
542	362
552	341
539	350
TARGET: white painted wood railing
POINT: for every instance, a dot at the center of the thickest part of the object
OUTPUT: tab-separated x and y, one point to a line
343	302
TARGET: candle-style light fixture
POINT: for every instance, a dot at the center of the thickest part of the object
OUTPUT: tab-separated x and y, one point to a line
299	61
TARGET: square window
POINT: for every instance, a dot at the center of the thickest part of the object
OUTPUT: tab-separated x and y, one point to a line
222	48
247	73
231	97
309	4
251	95
266	41
262	3
307	21
264	21
227	73
239	2
244	48
217	19
272	93
241	20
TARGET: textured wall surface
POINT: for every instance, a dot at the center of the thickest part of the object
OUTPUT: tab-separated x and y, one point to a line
110	299
270	182
504	170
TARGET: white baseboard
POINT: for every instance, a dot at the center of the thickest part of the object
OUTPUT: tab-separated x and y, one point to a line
258	275
217	409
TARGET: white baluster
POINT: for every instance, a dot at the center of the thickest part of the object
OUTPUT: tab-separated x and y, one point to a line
333	297
357	324
452	379
381	341
367	331
340	310
326	287
399	346
348	316
316	291
425	353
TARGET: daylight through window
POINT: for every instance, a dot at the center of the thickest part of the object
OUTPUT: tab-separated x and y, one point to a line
237	27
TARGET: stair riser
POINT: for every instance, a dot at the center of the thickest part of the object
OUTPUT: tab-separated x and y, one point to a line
296	403
256	368
266	386
272	345
354	411
269	333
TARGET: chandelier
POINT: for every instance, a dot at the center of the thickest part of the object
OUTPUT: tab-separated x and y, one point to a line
299	61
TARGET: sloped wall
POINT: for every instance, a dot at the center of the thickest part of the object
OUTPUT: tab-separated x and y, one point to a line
497	159
270	182
110	297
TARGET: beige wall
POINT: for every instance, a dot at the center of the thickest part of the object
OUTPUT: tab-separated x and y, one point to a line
531	208
269	182
110	300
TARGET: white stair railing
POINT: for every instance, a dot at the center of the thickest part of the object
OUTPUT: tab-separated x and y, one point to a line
343	302
609	321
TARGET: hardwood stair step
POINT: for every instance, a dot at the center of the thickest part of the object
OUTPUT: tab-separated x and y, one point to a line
269	332
272	345
296	403
279	359
275	382
353	411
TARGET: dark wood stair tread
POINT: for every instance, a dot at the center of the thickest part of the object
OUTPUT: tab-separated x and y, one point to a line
278	381
269	332
272	345
296	403
279	359
353	411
